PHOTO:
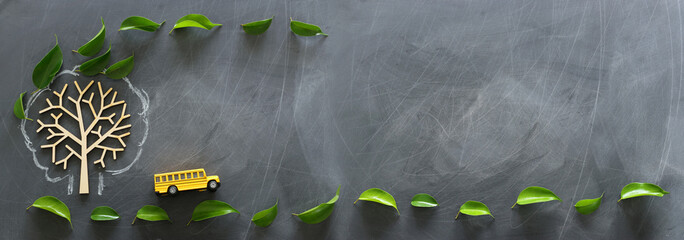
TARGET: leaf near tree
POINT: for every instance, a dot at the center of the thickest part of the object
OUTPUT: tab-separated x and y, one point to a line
139	23
19	107
120	69
474	208
104	213
305	29
53	205
151	213
194	20
96	65
48	67
378	196
95	44
257	27
637	189
211	208
265	218
588	206
535	194
320	212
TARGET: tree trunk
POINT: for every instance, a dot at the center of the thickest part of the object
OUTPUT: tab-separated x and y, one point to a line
83	186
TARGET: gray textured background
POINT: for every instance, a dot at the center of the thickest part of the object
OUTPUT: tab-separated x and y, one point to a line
465	100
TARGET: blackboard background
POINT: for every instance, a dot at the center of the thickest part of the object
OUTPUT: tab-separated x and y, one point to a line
465	100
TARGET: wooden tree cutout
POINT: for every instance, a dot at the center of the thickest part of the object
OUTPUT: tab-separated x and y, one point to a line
81	138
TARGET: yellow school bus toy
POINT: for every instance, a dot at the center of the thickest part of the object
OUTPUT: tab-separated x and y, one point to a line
195	179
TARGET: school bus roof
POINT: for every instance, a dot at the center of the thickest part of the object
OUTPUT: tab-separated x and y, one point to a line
177	172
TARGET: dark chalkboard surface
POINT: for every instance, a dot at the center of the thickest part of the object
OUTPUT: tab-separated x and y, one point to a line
465	100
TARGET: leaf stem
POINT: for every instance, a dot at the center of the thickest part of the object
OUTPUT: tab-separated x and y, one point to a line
74	51
134	220
188	223
514	205
29	207
35	91
456	218
356	201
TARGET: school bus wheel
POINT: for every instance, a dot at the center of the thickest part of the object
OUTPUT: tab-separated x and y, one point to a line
173	190
212	186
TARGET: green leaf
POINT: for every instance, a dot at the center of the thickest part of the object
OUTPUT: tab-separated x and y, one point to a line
48	67
637	189
93	46
266	217
19	107
474	208
103	213
423	200
96	65
379	196
211	208
53	205
305	29
120	69
151	213
320	212
194	20
139	23
258	27
588	206
535	194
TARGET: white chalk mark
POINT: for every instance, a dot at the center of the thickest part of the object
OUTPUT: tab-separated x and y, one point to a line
29	144
145	101
101	185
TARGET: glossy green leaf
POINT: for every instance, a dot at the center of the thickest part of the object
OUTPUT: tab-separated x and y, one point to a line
379	196
48	67
139	23
103	213
637	189
19	107
320	212
258	27
305	29
93	46
535	194
96	65
120	69
474	208
423	200
588	206
266	217
53	205
211	208
151	213
194	20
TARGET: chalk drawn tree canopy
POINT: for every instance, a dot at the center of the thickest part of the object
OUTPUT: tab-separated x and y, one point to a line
85	130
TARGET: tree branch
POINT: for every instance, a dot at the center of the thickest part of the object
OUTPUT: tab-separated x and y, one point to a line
104	153
115	128
64	160
60	106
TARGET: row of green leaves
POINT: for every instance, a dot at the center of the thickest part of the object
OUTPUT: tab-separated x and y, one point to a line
213	208
48	67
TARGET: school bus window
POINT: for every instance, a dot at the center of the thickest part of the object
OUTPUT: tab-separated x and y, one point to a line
189	175
201	174
194	175
164	178
175	177
182	176
157	179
